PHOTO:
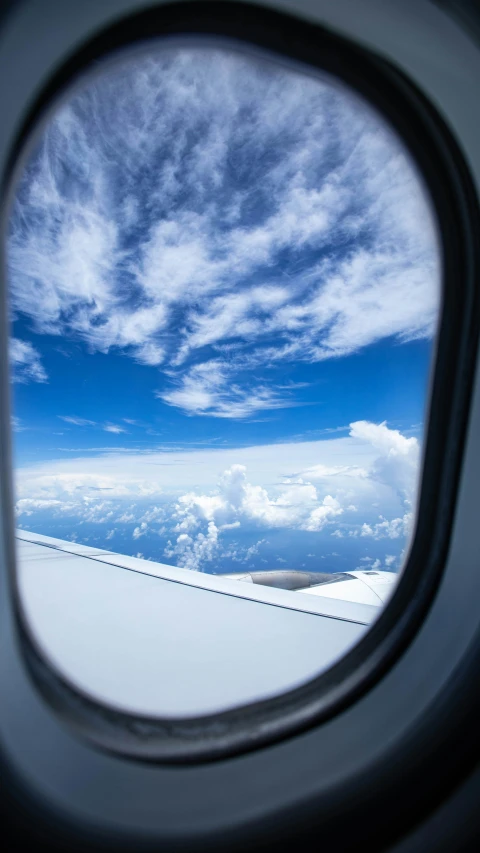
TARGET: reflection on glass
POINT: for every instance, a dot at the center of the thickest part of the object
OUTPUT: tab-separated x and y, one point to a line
224	281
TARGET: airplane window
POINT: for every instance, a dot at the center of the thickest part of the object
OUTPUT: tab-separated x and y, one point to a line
224	283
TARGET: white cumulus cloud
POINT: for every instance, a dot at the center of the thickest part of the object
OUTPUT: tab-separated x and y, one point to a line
361	486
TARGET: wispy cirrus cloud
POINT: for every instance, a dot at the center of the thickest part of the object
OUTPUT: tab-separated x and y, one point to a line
208	389
85	422
25	362
17	424
202	212
71	419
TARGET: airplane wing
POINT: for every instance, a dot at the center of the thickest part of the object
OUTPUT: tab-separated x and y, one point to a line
157	640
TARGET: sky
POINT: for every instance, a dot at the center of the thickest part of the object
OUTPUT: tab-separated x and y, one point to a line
224	289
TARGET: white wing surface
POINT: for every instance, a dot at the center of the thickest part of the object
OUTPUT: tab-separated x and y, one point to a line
156	640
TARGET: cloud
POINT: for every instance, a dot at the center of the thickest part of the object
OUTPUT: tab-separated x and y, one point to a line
211	215
396	528
153	514
299	505
76	421
50	481
140	531
269	489
26	506
398	463
207	389
340	465
125	518
25	362
376	564
319	517
193	553
237	502
17	424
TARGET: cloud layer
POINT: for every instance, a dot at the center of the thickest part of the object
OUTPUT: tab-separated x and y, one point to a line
217	217
267	489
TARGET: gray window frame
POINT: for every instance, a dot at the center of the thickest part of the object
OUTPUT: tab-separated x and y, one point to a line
386	699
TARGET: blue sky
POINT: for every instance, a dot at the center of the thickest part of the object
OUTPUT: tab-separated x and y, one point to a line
224	287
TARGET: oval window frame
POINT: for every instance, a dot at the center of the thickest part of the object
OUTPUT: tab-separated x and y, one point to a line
438	159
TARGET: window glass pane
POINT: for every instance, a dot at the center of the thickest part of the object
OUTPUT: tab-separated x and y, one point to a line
224	286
